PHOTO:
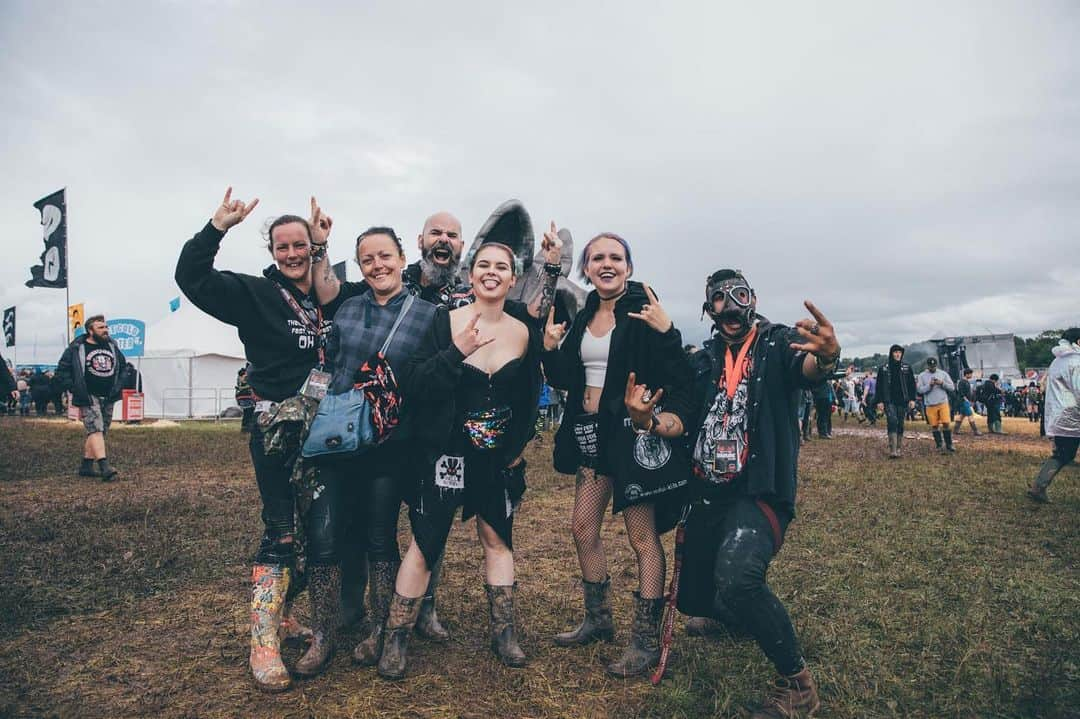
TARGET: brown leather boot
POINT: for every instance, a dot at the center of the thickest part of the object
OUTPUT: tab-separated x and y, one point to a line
324	588
382	578
399	626
597	625
269	583
793	697
503	634
643	651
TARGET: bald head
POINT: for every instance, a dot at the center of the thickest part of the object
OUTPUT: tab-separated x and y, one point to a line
441	241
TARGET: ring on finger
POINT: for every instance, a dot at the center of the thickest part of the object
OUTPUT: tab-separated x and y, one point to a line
815	328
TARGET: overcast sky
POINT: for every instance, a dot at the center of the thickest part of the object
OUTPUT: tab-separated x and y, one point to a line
912	167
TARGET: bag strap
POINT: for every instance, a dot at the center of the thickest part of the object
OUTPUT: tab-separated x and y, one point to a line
397	323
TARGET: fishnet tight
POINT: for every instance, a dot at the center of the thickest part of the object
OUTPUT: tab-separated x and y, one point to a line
591	496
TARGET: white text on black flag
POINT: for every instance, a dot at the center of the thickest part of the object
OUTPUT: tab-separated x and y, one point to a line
52	272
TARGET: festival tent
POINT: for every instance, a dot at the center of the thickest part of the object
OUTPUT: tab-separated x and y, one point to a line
190	364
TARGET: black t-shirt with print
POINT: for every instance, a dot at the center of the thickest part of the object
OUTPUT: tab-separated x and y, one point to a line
100	370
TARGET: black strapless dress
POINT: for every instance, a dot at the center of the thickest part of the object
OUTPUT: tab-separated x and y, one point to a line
472	473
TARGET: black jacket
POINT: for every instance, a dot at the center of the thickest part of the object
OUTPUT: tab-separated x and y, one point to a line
70	371
429	378
776	382
7	381
658	359
885	381
280	348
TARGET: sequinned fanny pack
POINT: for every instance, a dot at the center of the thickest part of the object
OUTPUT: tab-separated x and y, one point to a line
485	428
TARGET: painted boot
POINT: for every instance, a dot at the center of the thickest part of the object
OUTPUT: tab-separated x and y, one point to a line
399	626
269	583
791	698
643	651
382	576
324	588
427	624
503	635
597	625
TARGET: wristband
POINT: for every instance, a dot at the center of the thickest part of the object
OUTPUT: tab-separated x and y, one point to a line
318	251
554	270
647	430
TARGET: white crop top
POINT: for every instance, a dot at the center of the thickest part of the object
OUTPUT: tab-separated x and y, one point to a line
594	356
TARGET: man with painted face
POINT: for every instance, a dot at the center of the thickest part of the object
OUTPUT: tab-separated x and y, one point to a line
934	385
895	396
745	457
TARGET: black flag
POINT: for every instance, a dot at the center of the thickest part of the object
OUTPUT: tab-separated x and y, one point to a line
9	327
52	272
339	270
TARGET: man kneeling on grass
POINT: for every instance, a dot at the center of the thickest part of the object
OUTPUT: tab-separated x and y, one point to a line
745	458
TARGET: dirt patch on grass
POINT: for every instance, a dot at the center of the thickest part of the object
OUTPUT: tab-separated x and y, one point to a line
924	587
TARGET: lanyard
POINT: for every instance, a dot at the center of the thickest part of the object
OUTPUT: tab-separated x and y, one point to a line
731	381
305	319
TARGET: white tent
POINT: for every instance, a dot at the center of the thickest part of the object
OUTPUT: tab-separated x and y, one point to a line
190	364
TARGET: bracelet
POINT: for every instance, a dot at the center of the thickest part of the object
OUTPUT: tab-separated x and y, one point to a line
553	270
647	430
318	251
829	365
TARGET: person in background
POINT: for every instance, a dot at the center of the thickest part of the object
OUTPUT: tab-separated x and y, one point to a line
964	396
245	399
934	385
990	394
822	393
1062	411
895	396
92	369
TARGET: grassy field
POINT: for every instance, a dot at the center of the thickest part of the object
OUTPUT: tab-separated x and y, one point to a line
925	587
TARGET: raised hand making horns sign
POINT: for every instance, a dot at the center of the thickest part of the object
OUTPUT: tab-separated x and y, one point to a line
653	313
231	212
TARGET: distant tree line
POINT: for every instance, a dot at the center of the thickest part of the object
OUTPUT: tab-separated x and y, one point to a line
1030	352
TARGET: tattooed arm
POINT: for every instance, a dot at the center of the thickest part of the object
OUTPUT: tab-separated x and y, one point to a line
327	286
552	247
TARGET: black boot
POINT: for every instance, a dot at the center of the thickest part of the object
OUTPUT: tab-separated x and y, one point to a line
948	441
354	580
399	626
1047	472
86	469
383	575
427	624
324	588
503	634
597	624
643	651
107	472
937	438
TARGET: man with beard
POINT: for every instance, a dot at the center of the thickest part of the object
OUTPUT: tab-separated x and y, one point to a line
895	396
92	368
934	385
745	458
435	276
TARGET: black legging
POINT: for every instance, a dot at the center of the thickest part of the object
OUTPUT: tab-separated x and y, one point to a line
746	547
272	474
357	513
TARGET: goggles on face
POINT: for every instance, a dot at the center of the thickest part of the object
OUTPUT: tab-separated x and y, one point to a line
739	292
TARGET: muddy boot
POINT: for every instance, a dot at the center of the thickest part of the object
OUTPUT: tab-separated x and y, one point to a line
290	629
899	444
399	626
790	697
643	651
894	452
268	585
503	634
382	578
958	425
974	429
354	580
597	625
106	472
948	441
1049	469
86	469
324	588
427	624
937	440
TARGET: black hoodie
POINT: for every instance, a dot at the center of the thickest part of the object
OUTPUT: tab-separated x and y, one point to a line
280	348
895	381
